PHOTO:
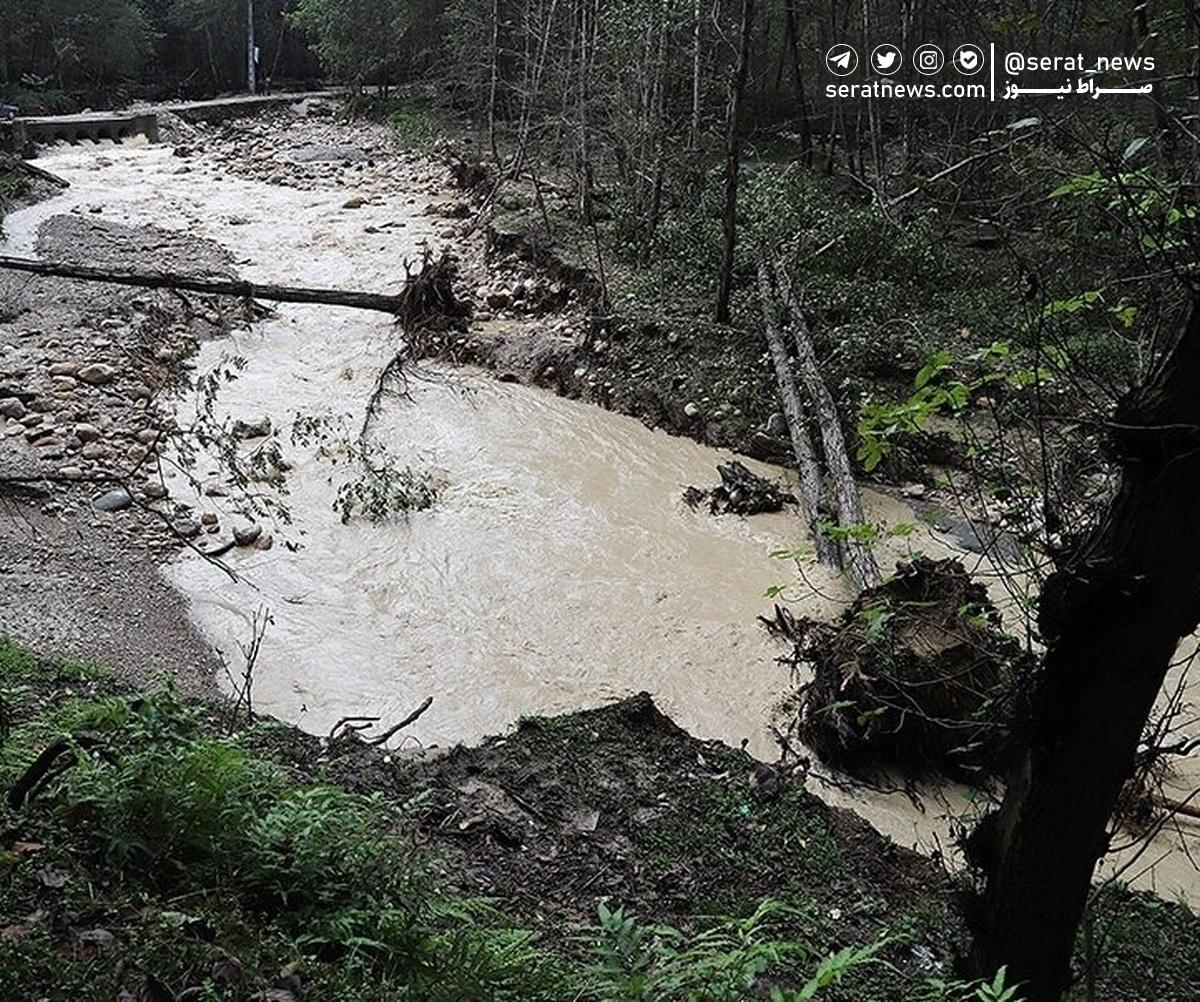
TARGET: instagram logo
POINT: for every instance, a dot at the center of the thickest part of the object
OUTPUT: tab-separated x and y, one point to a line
928	59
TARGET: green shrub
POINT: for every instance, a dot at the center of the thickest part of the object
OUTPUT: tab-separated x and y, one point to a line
320	847
418	124
174	809
168	807
729	960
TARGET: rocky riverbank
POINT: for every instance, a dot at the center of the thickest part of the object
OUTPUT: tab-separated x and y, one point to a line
90	375
86	373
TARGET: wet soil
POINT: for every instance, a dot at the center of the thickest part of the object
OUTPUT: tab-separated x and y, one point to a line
619	805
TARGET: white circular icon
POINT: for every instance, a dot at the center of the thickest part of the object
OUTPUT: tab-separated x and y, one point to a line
928	59
968	59
841	59
886	59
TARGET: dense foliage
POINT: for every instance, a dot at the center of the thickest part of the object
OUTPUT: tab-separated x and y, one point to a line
59	55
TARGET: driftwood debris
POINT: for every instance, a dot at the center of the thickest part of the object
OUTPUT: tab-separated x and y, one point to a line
383	738
741	492
353	727
393	304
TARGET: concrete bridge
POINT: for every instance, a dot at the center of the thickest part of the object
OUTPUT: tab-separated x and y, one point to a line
24	135
31	132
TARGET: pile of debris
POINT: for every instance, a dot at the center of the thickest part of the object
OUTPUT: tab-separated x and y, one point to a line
916	674
740	493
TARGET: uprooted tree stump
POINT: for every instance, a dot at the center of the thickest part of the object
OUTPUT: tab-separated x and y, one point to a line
916	674
428	300
469	175
740	492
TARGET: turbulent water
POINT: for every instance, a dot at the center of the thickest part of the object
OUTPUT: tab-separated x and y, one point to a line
559	568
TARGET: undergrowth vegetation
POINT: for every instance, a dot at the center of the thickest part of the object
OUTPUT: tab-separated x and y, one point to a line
167	851
166	843
159	850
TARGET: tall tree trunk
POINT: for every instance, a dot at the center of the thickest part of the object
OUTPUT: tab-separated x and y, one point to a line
494	83
811	485
694	135
733	162
1111	618
793	41
582	98
251	48
1145	46
872	108
212	61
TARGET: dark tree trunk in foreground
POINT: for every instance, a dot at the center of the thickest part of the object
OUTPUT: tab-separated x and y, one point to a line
733	162
1111	619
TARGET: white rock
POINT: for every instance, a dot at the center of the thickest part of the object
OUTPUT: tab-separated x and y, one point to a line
97	374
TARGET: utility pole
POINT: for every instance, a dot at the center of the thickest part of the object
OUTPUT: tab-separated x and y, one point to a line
251	50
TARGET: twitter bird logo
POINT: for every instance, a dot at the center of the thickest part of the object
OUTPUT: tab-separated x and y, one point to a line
886	59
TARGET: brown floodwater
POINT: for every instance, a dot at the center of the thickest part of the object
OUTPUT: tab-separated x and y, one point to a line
558	570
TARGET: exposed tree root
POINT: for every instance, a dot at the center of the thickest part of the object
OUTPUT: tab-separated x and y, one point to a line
427	304
428	300
916	674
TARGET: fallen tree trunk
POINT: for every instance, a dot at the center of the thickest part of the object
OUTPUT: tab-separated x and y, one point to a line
214	286
793	410
16	163
860	561
1171	806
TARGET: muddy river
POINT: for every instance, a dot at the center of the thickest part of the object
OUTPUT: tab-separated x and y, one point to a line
558	570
